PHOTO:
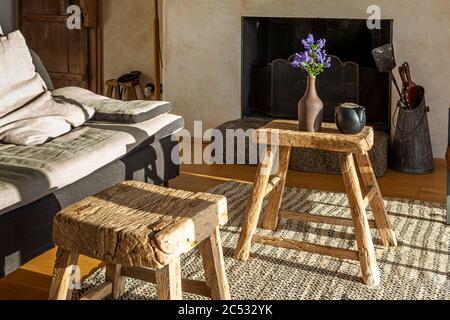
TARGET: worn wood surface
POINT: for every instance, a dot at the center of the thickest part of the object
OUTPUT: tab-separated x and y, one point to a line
272	185
168	282
114	275
103	291
308	247
367	258
330	139
253	211
138	224
369	181
214	266
370	193
188	285
308	217
274	202
60	287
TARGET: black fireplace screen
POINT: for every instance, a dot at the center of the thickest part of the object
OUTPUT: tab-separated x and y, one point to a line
272	88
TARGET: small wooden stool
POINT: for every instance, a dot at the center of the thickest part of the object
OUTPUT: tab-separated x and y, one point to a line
287	136
127	91
134	227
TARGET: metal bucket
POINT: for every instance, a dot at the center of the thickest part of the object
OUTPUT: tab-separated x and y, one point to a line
411	151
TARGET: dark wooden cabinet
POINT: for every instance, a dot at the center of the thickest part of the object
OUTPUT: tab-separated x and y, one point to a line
70	56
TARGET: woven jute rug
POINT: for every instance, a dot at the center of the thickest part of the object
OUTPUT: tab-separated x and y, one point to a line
419	268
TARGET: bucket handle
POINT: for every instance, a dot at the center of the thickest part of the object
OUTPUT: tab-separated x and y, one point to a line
397	129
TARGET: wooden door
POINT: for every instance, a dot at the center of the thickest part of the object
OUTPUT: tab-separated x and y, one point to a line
70	56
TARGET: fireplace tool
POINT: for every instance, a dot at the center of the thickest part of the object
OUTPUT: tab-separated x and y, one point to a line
385	61
411	150
410	88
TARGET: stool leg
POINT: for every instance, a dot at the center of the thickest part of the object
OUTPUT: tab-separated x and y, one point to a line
253	212
214	265
368	261
114	275
109	91
379	210
60	287
168	282
139	92
276	197
117	93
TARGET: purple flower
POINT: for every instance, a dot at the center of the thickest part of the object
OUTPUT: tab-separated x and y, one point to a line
314	60
320	57
307	57
321	44
297	61
308	42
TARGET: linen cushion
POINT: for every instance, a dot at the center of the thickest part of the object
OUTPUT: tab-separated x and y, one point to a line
29	113
110	110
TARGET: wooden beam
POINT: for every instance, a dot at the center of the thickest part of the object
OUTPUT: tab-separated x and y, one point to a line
157	52
369	180
60	287
45	18
447	156
90	13
17	8
367	257
66	76
307	247
273	184
370	194
253	211
191	286
168	282
271	217
113	274
99	293
307	217
214	266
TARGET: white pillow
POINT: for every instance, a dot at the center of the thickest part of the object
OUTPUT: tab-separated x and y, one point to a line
16	64
29	114
19	82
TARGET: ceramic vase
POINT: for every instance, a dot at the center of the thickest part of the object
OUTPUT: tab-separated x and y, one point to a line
310	109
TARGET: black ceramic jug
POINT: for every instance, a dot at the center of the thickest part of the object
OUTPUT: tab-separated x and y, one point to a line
350	118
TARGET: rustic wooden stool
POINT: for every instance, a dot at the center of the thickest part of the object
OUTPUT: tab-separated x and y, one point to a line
127	91
287	136
113	89
134	227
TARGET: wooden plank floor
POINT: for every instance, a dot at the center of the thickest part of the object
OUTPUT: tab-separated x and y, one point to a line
32	281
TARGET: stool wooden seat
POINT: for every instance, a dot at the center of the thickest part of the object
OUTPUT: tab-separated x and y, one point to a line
134	227
281	136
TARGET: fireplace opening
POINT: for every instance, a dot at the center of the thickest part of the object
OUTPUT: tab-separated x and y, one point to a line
271	88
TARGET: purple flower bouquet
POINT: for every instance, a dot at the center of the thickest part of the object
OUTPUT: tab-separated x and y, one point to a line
314	60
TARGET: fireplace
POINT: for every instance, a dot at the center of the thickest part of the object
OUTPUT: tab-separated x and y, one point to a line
271	88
